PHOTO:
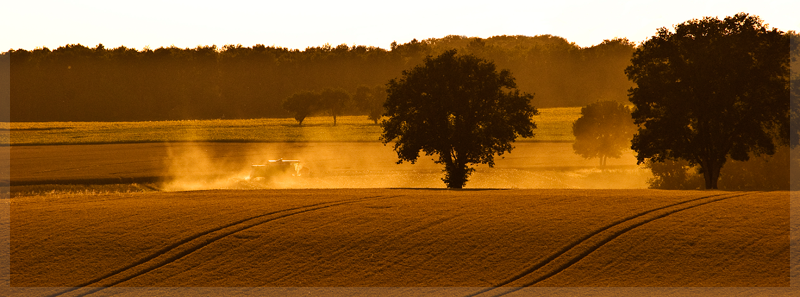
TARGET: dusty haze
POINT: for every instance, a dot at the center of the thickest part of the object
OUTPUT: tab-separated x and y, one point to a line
372	165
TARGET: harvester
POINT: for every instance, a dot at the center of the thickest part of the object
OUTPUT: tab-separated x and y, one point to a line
280	167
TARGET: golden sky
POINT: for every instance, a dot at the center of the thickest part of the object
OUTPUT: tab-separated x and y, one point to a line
301	24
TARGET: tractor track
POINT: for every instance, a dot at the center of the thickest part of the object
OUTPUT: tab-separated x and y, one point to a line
566	256
403	234
188	245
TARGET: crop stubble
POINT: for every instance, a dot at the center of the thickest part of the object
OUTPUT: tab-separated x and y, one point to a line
406	238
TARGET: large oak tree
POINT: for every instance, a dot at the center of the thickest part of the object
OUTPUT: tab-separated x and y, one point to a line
712	90
459	108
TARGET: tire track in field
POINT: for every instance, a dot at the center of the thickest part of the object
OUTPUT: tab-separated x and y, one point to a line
393	237
411	232
188	245
564	258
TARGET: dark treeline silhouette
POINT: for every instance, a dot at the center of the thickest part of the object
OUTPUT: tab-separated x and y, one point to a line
78	83
5	85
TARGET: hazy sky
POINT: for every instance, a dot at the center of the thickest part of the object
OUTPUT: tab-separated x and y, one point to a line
301	24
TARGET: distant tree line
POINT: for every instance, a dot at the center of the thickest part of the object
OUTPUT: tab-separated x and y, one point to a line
5	86
78	83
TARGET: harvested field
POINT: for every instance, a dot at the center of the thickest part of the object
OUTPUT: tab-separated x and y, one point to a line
97	219
196	166
400	238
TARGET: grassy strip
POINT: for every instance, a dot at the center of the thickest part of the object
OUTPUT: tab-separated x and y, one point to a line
58	191
553	124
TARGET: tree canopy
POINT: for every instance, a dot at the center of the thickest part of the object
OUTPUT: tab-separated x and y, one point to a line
333	102
370	101
712	90
302	104
604	129
459	108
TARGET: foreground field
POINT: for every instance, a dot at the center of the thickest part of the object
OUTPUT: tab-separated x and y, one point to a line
401	238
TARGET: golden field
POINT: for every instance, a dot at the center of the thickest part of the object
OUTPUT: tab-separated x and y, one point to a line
485	242
165	208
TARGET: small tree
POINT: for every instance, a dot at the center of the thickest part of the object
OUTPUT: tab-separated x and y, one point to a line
459	108
603	131
302	104
334	102
370	100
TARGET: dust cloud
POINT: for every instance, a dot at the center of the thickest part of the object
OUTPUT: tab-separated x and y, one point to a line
202	166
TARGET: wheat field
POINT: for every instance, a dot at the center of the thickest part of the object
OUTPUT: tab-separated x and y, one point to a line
486	242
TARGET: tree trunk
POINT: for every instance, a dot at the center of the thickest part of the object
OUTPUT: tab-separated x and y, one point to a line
455	174
715	177
711	174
